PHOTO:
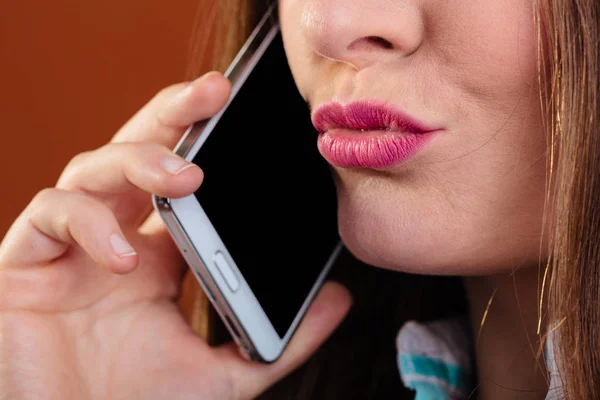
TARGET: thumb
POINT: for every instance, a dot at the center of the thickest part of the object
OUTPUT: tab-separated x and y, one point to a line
323	316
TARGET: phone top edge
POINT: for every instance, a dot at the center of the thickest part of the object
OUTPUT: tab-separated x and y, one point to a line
237	72
255	37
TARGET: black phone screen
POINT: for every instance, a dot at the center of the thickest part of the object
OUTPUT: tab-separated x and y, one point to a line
267	190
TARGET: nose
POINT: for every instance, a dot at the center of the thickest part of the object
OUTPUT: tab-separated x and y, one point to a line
361	32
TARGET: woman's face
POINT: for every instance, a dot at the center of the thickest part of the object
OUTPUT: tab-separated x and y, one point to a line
467	197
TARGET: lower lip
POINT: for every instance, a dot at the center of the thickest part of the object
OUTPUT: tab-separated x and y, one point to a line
349	148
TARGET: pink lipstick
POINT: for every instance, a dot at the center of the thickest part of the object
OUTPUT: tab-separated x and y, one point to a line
368	134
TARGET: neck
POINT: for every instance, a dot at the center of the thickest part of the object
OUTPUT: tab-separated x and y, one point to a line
507	345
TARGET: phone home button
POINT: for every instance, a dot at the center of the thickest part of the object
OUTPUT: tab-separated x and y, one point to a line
225	269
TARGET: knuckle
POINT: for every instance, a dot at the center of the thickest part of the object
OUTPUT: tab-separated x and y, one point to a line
74	167
80	209
67	207
50	200
40	203
77	160
43	196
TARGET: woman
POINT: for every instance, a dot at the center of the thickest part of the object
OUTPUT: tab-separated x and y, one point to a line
504	195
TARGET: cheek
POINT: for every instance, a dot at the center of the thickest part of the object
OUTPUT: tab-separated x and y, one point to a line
297	52
469	217
490	45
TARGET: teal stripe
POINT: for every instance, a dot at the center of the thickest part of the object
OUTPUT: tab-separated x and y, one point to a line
413	364
430	391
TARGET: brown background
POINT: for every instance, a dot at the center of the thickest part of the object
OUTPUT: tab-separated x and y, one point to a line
71	73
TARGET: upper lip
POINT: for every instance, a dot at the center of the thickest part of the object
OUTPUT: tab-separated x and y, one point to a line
365	115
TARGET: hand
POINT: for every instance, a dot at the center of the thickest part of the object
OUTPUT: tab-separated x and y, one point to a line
89	277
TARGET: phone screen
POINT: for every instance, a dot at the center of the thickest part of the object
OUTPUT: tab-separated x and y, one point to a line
268	192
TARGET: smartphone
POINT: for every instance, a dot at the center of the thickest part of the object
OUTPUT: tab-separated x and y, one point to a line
261	233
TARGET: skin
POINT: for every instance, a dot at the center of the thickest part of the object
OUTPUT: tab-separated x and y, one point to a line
73	312
471	202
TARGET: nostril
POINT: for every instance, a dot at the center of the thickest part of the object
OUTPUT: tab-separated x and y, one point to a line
380	42
370	42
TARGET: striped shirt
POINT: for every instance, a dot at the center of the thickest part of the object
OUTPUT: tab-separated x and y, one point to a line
435	360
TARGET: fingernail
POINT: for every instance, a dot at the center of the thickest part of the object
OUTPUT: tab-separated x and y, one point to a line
175	165
120	246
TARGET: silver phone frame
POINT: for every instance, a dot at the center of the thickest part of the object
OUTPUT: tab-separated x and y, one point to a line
198	241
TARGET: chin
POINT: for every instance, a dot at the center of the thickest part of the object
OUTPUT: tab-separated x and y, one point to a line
380	233
429	250
376	240
405	229
377	250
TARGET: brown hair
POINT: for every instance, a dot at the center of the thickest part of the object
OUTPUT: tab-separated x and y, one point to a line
359	360
570	104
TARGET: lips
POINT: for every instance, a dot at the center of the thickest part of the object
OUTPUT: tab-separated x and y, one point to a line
368	134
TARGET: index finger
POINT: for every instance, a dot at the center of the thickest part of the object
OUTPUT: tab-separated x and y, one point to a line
166	117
